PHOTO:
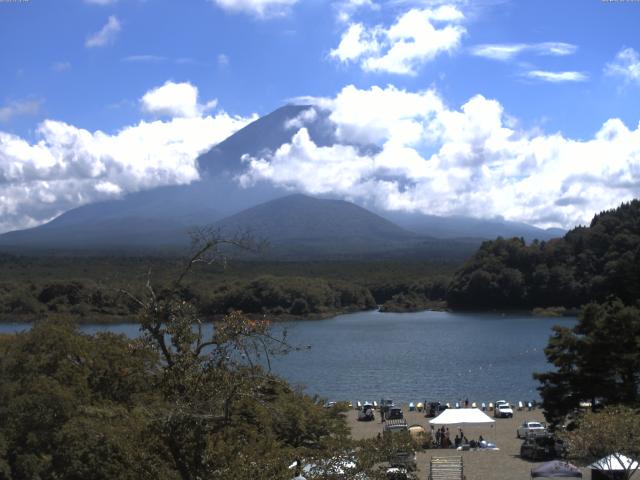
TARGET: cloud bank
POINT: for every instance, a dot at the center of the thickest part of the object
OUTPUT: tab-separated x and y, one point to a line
471	160
69	166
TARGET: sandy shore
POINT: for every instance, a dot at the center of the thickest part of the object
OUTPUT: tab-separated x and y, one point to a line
504	464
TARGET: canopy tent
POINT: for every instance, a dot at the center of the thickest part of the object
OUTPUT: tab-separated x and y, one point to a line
556	469
614	462
463	416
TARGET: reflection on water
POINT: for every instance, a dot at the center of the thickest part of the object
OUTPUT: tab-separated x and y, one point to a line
409	356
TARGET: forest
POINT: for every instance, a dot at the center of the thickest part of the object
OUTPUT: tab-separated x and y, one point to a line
91	288
587	264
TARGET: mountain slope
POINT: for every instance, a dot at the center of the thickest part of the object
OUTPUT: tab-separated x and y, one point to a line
468	227
300	218
302	227
266	134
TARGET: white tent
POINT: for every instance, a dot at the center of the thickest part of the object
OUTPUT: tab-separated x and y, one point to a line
614	462
463	416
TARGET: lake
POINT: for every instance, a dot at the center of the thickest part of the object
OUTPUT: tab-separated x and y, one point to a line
409	356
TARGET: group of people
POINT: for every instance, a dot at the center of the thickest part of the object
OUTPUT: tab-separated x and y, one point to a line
442	439
462	440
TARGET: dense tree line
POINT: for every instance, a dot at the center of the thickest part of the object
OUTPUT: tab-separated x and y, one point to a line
587	264
297	296
597	361
90	289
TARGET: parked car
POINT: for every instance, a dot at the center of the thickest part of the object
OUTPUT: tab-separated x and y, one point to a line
502	409
366	414
405	460
528	428
542	447
396	473
434	409
394	413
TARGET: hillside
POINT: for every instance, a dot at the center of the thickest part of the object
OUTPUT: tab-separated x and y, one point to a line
587	264
465	227
300	218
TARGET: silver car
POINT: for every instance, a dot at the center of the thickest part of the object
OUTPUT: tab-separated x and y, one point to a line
528	428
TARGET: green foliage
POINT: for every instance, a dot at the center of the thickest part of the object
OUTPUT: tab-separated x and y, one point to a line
90	288
291	295
598	359
76	406
588	264
66	403
613	431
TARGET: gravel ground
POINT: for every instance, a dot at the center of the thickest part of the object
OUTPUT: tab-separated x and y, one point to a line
504	464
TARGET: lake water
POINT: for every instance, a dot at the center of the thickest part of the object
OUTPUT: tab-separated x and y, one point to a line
410	356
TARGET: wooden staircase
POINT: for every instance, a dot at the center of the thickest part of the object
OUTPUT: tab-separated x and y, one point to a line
446	468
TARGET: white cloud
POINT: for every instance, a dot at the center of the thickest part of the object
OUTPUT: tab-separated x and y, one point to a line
258	8
69	166
347	8
101	2
402	48
355	42
144	59
223	60
444	161
61	66
175	100
557	77
106	34
19	108
626	65
508	51
303	118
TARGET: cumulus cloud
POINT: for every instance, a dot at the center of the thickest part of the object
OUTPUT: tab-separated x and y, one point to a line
557	77
175	100
19	108
508	51
69	166
625	65
257	8
415	38
470	160
106	34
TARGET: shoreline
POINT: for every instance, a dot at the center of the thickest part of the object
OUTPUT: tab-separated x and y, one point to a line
550	312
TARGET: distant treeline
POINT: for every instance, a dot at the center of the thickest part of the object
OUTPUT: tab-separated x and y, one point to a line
587	264
102	289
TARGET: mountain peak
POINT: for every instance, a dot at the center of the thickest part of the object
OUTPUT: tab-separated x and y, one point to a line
262	136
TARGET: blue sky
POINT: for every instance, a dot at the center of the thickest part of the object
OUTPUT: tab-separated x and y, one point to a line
555	68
